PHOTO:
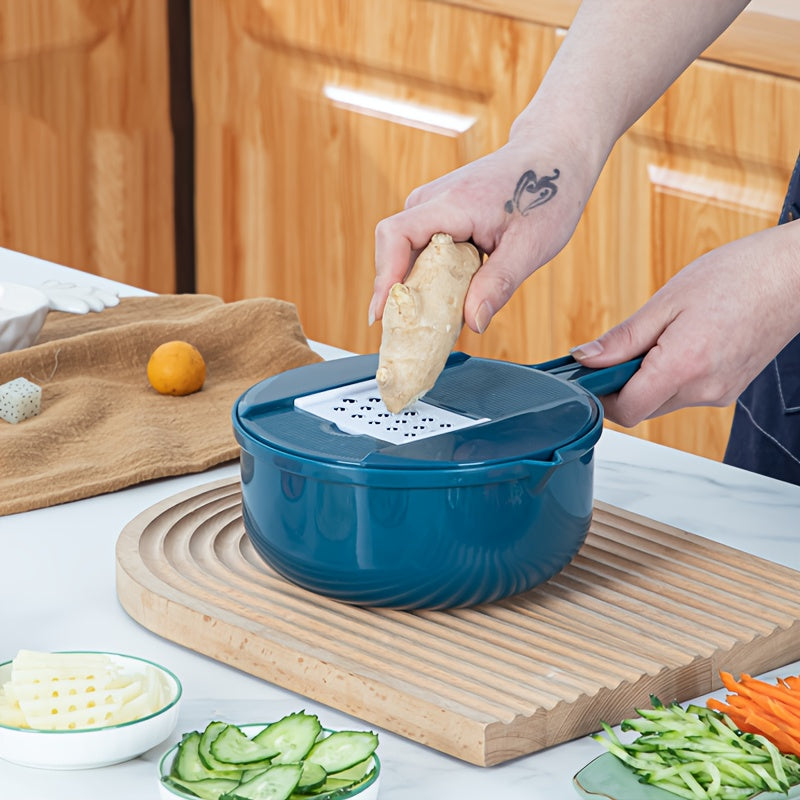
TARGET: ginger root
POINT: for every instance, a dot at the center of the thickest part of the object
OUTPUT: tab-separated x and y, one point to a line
422	320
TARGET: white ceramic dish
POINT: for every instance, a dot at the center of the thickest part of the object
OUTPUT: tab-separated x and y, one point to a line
368	790
22	313
607	778
96	747
23	309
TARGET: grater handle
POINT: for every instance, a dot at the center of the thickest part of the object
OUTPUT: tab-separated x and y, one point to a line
597	381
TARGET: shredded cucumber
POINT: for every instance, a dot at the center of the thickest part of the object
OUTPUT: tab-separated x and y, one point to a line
699	754
291	759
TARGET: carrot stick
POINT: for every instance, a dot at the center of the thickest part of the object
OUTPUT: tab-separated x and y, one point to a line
737	716
756	706
728	681
781	740
791	722
768	689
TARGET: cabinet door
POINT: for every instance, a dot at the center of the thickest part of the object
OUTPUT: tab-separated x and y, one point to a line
316	118
85	141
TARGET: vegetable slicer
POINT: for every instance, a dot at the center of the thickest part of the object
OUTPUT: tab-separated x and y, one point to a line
481	489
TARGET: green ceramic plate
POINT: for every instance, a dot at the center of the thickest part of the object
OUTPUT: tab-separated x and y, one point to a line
607	778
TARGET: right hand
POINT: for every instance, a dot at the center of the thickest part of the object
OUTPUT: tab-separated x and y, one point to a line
470	203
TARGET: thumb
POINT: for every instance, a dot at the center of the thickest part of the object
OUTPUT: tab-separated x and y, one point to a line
630	339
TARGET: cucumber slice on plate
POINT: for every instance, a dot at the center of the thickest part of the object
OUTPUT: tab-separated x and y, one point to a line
343	749
312	777
290	737
275	783
188	765
207	788
212	730
233	746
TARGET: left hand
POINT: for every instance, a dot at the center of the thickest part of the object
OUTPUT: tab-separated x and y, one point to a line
708	331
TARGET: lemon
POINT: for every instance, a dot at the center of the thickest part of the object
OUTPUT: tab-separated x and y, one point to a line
176	368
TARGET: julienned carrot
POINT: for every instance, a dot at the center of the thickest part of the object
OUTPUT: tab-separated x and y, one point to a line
736	714
784	695
769	728
751	721
790	720
760	707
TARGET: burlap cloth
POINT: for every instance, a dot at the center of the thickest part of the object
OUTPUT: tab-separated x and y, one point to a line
102	427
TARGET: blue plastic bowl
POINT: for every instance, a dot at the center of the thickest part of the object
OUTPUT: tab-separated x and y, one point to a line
411	532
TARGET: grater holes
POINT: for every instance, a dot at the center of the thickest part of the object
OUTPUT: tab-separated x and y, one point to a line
361	411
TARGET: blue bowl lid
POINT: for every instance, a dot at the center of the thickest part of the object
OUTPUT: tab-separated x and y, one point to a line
529	414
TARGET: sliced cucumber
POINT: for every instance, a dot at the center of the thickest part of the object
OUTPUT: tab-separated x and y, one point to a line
357	771
251	773
343	749
207	788
213	729
312	777
291	737
347	779
275	783
223	763
233	746
188	766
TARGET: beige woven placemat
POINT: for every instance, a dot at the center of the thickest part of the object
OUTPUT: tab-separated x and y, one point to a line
102	427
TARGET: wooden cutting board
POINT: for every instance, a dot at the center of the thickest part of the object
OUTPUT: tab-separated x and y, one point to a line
643	608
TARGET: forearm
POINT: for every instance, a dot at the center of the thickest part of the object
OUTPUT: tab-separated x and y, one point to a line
617	59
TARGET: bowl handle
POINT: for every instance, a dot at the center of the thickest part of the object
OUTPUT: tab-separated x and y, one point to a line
604	380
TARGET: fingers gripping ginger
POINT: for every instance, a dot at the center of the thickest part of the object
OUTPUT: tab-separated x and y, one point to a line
422	320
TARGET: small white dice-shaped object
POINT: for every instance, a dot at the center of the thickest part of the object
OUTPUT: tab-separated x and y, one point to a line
19	399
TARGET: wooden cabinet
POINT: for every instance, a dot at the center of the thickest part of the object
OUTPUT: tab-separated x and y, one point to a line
315	119
85	137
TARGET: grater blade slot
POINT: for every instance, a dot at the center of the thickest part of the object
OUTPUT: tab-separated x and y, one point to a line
357	409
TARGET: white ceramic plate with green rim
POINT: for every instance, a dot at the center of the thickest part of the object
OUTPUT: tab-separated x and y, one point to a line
367	789
607	778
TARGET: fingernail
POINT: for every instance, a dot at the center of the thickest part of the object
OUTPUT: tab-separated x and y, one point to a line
371	318
588	350
483	316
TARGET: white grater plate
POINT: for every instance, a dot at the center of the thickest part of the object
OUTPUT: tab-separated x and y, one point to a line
358	409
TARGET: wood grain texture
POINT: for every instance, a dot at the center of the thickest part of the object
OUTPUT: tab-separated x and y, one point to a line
85	138
762	38
643	608
291	181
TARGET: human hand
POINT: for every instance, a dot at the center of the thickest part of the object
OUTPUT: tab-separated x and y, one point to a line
709	330
517	206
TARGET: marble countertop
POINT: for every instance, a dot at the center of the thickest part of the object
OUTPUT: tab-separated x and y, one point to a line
58	592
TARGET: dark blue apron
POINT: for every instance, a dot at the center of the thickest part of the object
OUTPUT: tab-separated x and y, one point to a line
765	435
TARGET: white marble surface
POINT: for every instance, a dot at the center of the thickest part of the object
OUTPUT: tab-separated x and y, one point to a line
58	592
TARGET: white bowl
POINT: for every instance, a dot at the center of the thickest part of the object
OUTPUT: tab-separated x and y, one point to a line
95	747
22	313
364	791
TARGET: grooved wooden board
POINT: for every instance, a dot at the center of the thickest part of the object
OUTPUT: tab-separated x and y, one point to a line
643	608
